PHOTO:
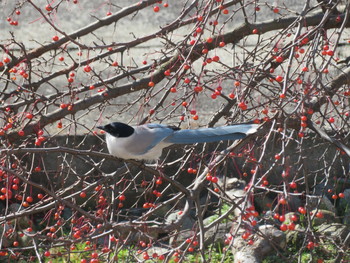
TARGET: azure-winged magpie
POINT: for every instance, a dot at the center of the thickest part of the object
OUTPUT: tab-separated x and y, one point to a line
146	142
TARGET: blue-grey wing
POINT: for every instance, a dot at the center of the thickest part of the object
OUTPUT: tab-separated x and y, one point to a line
156	133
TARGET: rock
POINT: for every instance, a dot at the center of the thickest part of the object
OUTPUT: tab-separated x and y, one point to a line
158	250
24	239
163	210
186	224
261	247
244	257
231	183
22	221
184	230
288	217
238	196
7	240
344	207
335	231
262	202
293	202
275	235
180	237
296	238
328	217
325	203
217	234
209	219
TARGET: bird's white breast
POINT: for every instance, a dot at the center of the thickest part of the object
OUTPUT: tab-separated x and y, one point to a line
133	147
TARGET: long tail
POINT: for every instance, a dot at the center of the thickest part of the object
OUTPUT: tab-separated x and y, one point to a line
233	132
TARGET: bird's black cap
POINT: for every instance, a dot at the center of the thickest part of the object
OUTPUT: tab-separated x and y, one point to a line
118	129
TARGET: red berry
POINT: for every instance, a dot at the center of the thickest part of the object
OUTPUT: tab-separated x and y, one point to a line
293	185
330	53
209	40
225	11
279	59
242	105
294	218
214	179
87	68
291	226
283	201
198	89
48	8
310	245
279	78
245	235
156	9
319	214
331	120
231	95
216	58
302	210
6	60
284	227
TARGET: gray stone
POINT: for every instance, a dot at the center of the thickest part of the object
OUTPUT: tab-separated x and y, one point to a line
180	237
5	240
158	250
231	183
238	196
344	207
325	203
217	234
245	257
328	217
262	202
335	231
296	237
22	221
186	224
261	247
276	236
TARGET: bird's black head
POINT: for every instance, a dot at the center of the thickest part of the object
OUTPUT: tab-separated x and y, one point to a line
118	129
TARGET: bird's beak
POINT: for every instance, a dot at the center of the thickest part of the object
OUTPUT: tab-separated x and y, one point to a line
101	127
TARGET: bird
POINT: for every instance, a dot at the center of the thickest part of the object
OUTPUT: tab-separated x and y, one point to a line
146	142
